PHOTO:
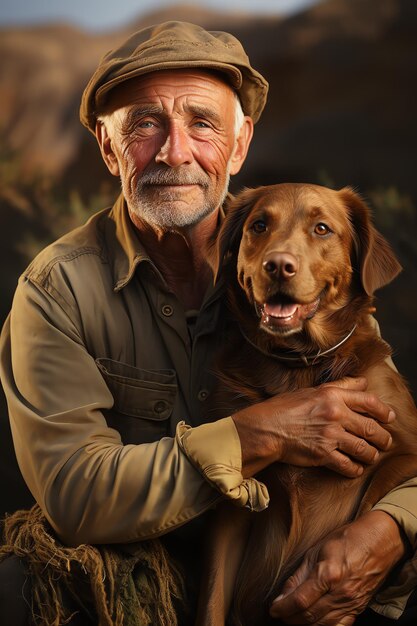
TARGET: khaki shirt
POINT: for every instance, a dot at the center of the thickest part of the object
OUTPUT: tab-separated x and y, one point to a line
109	388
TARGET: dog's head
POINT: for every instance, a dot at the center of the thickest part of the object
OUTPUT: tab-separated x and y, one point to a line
300	250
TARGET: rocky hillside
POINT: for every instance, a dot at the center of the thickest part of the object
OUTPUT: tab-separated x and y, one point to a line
43	73
342	76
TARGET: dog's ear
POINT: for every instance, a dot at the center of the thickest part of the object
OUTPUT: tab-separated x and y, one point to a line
373	256
226	241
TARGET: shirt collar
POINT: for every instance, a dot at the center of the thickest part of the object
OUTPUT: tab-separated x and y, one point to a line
123	240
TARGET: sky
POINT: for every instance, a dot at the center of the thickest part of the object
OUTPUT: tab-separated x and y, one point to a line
99	15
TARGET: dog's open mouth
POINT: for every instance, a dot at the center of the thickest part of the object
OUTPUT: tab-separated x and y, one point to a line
281	314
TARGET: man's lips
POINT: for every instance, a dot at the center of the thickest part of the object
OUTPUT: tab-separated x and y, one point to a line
173	186
286	316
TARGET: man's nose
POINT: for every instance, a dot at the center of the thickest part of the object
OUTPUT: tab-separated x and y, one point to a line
177	148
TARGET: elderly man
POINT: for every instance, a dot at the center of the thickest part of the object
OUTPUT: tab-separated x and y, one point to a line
106	354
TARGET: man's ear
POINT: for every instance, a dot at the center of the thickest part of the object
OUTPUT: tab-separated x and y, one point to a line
242	144
106	148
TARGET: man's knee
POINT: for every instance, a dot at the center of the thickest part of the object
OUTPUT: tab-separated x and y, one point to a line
15	592
408	618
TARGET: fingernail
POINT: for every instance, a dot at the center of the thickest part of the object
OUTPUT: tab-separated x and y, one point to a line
376	455
278	598
391	416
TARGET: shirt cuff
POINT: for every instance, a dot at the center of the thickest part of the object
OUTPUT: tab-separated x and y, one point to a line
391	600
401	504
214	450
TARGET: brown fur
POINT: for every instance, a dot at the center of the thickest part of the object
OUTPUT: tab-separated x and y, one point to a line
345	268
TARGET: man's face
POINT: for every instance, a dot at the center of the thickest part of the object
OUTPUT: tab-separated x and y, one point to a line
171	138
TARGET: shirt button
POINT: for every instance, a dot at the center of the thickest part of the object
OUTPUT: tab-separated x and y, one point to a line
202	395
167	310
160	406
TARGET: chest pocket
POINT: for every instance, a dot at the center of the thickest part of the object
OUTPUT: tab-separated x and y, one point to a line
143	400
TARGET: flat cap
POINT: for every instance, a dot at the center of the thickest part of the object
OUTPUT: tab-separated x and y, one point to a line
175	45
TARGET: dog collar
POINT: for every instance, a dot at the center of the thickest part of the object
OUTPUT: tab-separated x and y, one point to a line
304	359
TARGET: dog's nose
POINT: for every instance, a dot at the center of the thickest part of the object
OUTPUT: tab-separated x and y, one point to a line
281	265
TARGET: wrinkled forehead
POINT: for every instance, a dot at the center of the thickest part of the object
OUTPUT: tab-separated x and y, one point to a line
203	83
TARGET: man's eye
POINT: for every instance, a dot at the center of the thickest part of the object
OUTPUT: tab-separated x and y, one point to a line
146	124
259	226
322	229
202	124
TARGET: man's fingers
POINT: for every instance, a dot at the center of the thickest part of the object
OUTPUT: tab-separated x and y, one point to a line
358	449
299	601
342	464
347	621
357	399
298	610
300	575
369	404
353	452
368	430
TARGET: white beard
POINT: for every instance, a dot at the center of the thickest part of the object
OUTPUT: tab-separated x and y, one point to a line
168	211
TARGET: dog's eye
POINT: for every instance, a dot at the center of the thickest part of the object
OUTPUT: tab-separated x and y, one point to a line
322	229
259	226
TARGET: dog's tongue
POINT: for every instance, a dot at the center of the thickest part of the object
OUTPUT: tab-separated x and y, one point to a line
280	310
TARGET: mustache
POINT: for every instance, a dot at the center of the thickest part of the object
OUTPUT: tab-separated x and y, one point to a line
161	176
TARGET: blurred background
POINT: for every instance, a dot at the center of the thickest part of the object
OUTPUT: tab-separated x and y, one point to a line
342	111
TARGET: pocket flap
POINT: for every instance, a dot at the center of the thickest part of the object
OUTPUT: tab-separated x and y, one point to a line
148	394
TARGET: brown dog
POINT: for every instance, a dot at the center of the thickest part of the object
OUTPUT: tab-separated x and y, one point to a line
301	264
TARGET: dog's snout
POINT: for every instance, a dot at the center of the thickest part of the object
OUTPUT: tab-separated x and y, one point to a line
281	265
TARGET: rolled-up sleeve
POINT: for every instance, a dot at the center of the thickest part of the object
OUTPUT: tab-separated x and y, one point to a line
92	488
401	505
212	453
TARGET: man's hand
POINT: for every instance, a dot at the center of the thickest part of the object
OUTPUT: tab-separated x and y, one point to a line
334	425
337	579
